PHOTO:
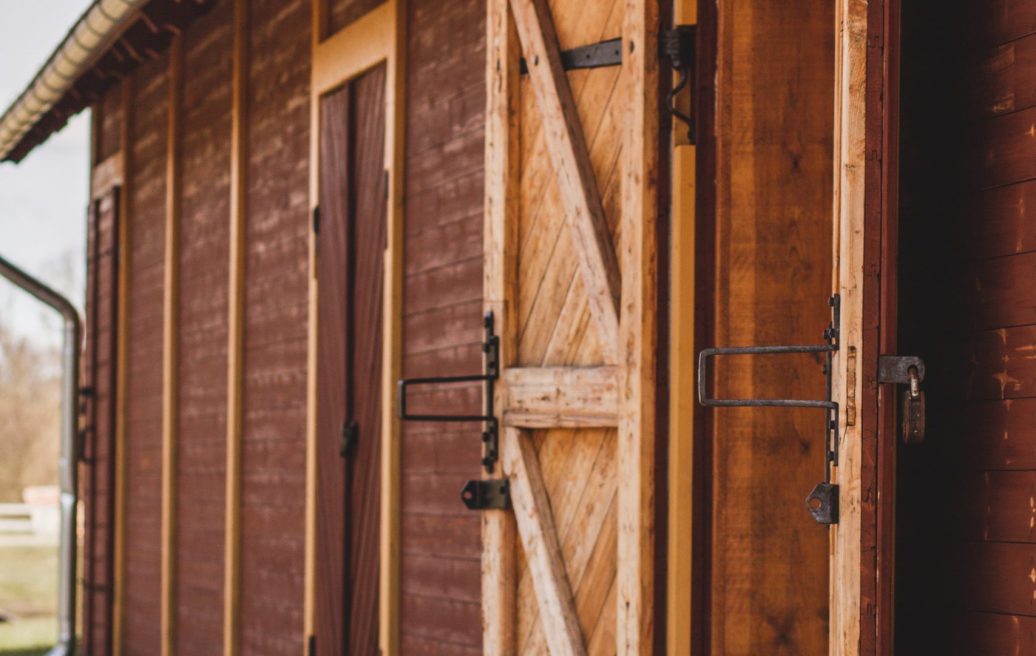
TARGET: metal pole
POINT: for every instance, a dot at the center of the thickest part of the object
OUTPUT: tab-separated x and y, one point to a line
67	462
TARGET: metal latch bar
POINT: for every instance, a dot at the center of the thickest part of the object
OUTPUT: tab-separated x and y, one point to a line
491	372
822	502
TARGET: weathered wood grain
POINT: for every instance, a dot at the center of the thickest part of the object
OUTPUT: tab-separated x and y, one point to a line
567	397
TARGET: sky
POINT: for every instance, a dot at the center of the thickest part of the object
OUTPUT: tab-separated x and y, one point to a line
43	199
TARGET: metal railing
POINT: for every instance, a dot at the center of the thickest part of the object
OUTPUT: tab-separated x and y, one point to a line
68	473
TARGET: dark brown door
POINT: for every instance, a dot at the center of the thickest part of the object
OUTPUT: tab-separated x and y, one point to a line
351	244
99	376
965	577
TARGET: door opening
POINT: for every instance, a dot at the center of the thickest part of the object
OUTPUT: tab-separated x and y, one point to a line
965	529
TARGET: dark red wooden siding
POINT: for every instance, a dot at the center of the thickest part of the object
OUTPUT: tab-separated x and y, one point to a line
966	542
108	124
144	349
99	372
276	315
202	334
442	324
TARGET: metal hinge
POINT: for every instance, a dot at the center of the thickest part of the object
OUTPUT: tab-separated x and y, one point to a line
822	502
487	494
490	373
595	55
679	45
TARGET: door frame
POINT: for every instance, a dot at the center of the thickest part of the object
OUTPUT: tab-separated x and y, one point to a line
864	216
377	37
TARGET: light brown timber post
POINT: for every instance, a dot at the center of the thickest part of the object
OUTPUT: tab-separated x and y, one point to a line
235	326
499	584
849	237
169	348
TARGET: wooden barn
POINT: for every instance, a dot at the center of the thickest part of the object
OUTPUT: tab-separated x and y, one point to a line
468	327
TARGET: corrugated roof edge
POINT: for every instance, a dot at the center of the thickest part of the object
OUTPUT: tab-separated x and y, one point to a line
108	41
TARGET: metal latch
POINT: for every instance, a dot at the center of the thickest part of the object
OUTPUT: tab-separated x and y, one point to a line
907	370
822	502
490	373
594	55
679	45
487	494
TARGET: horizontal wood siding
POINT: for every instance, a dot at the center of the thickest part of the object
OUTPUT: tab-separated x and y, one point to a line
107	124
143	441
276	304
202	334
439	587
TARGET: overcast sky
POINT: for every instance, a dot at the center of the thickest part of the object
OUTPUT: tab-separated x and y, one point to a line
42	200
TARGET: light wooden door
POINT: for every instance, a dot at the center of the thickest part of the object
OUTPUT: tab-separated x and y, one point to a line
571	159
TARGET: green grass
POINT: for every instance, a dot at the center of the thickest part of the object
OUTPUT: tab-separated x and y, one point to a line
28	592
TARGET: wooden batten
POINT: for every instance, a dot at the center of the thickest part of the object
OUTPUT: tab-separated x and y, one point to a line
376	37
500	294
849	273
682	368
169	349
119	557
565	397
235	328
395	117
109	173
637	331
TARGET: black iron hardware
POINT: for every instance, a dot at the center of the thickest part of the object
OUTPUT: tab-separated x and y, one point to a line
907	370
595	55
491	371
822	501
487	494
349	437
679	45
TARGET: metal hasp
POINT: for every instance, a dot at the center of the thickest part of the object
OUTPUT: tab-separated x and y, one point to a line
822	501
487	494
595	55
491	372
68	472
679	45
907	370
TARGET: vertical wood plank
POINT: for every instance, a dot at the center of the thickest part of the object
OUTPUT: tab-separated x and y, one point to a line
392	339
849	188
566	145
309	567
119	572
235	326
535	521
500	239
682	369
637	330
169	346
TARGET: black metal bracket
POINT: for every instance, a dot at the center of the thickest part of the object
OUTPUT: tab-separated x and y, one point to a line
595	55
896	369
822	501
487	494
679	45
490	373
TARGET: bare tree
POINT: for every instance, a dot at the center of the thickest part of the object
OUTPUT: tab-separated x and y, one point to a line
30	400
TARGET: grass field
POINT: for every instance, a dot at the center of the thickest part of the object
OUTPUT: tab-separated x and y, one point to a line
28	595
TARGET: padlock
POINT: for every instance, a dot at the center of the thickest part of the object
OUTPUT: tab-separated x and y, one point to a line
913	410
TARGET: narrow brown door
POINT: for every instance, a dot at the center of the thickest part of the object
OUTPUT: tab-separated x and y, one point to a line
99	376
965	514
351	244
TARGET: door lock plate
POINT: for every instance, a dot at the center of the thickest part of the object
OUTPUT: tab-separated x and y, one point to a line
487	494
